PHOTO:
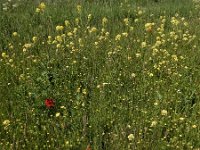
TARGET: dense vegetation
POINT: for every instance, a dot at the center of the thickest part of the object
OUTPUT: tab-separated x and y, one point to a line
96	74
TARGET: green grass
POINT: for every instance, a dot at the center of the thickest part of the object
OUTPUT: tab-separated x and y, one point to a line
116	86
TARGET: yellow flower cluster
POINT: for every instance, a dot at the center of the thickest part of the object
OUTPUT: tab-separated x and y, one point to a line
197	4
41	7
175	21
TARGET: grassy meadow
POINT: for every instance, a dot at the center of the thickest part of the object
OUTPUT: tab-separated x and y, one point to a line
122	74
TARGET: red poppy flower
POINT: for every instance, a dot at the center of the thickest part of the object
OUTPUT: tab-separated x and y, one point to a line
49	103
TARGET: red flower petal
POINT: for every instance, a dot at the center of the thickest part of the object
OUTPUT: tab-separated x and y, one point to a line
49	103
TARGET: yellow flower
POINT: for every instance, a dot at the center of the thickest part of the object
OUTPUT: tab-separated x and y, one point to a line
156	103
104	21
174	57
151	74
57	114
131	28
63	35
37	10
118	37
140	12
67	23
11	46
125	34
107	34
163	20
126	21
164	112
14	34
155	51
59	28
136	20
27	45
49	37
78	7
153	123
75	30
194	126
4	55
62	107
58	45
42	6
69	34
84	91
34	39
143	44
59	38
158	43
89	16
174	21
10	60
148	26
138	55
185	38
186	24
54	42
93	29
77	20
131	137
133	75
6	123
